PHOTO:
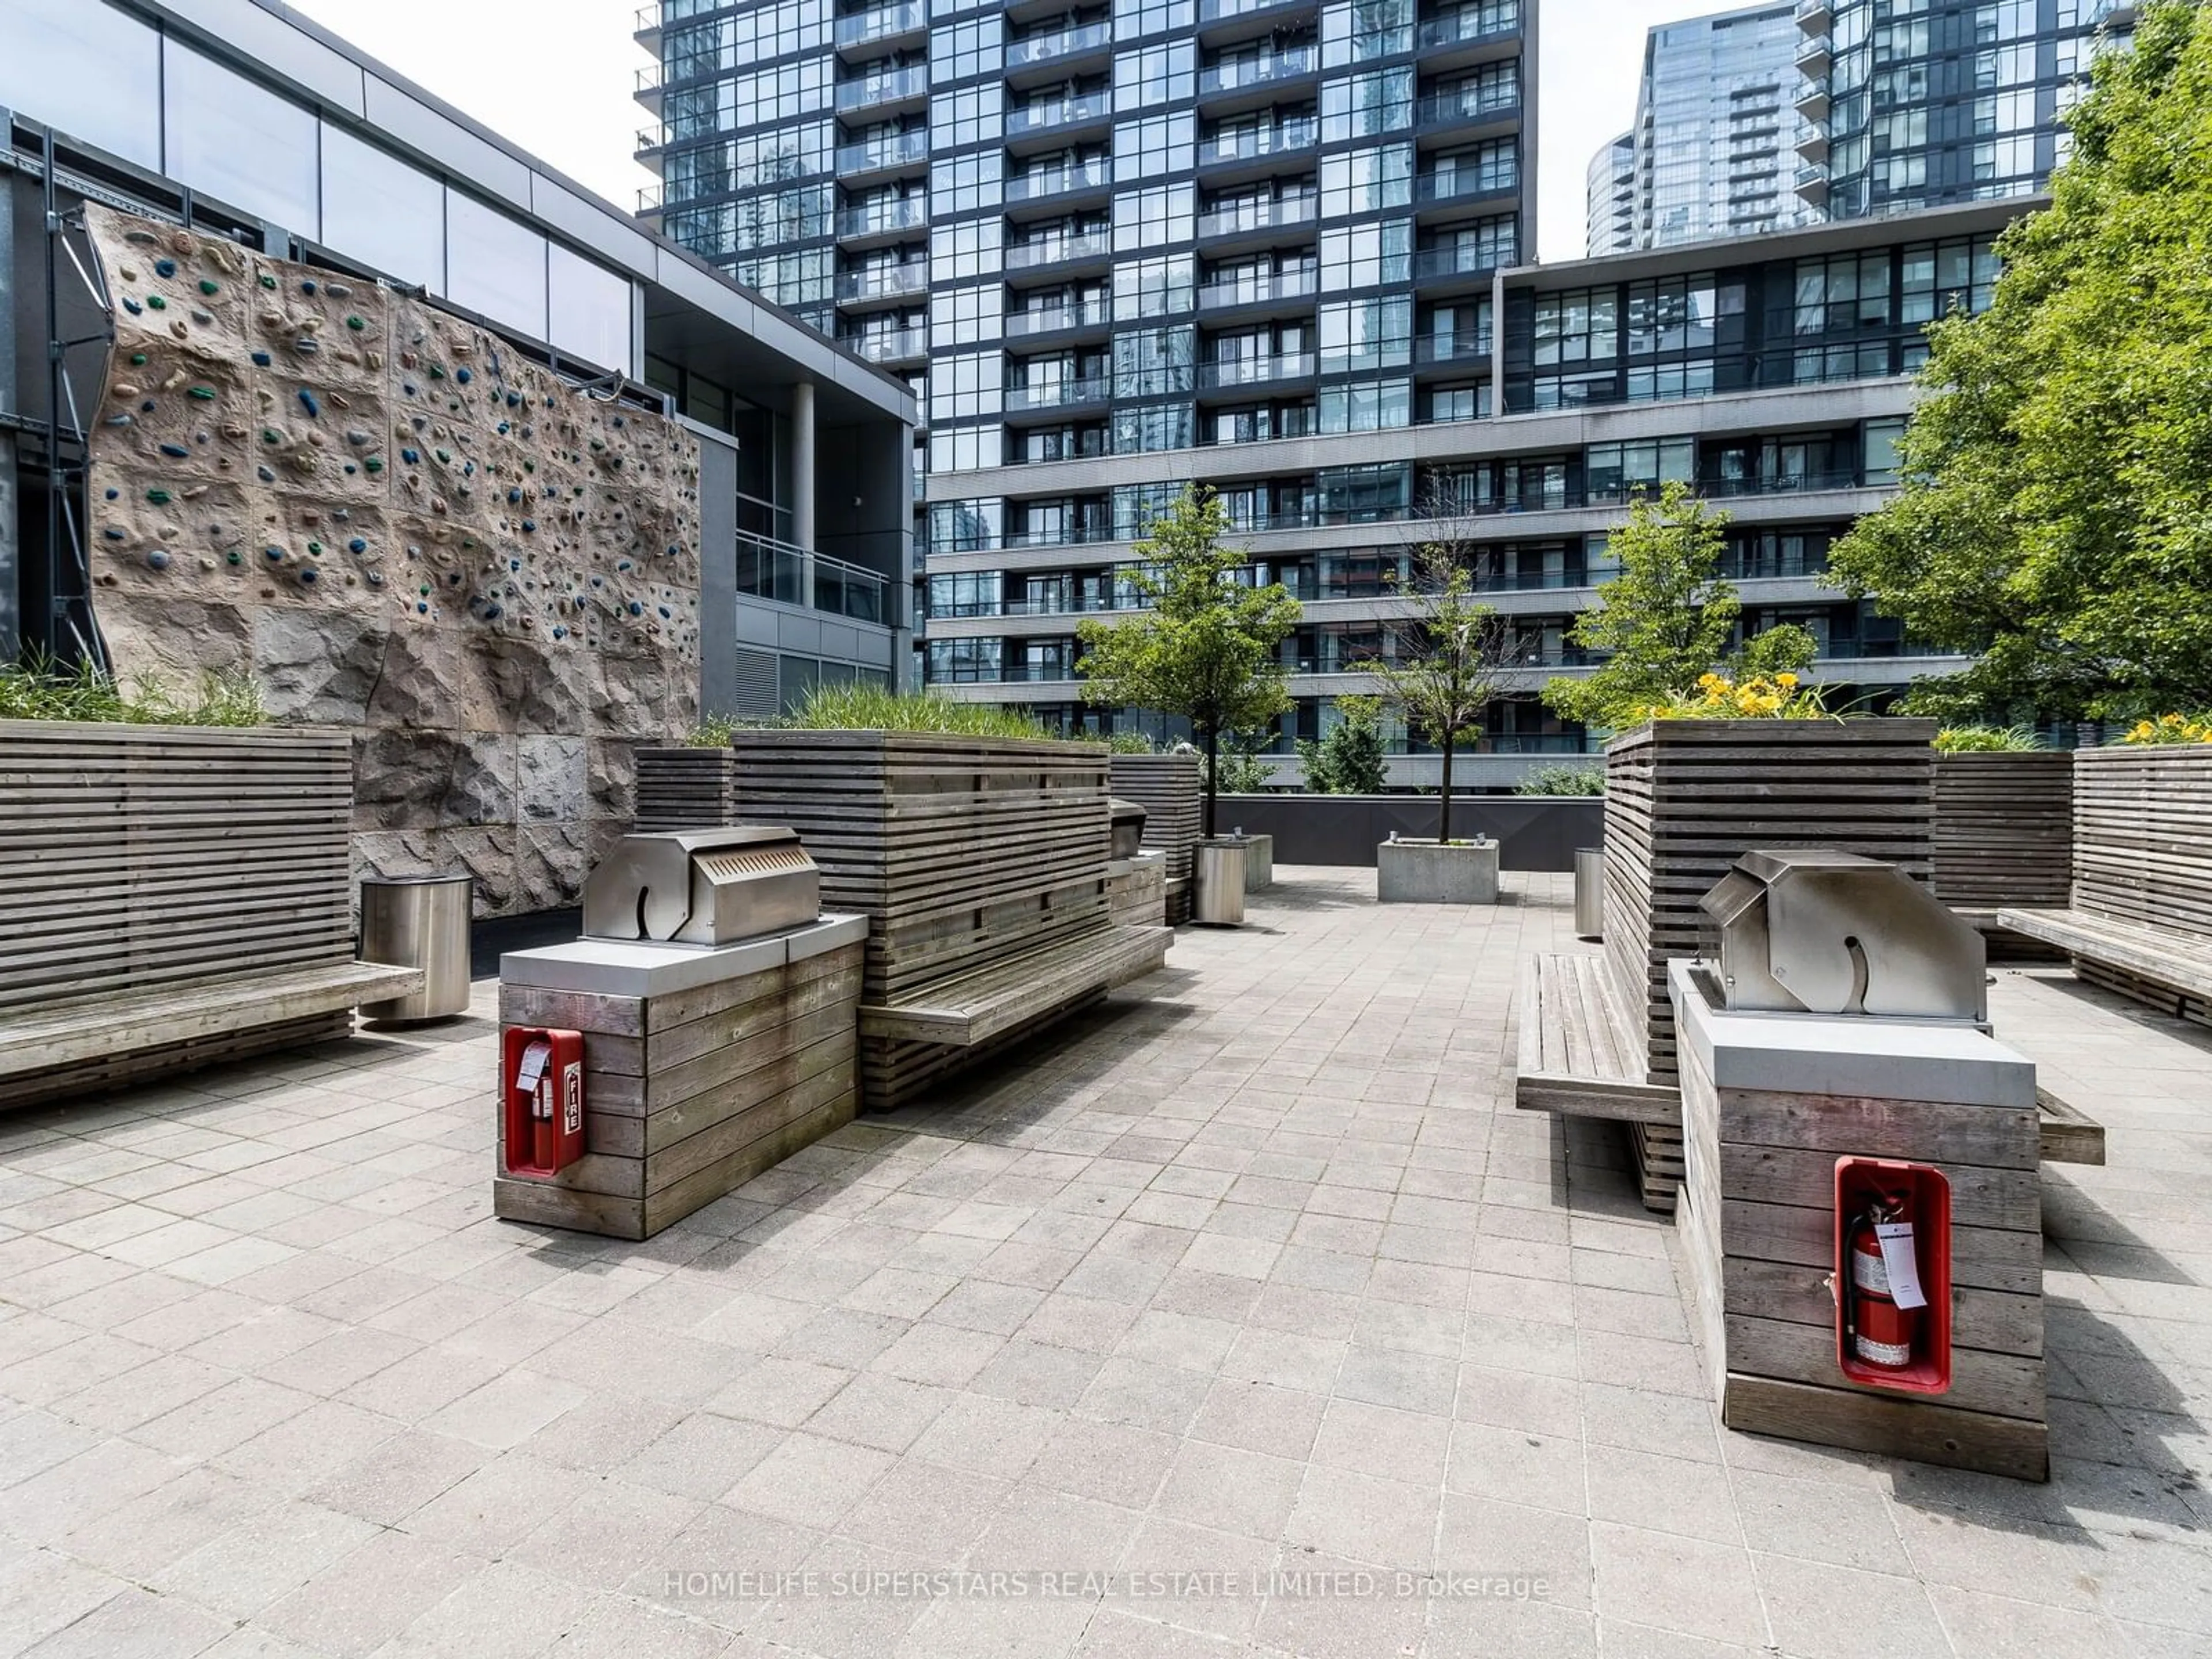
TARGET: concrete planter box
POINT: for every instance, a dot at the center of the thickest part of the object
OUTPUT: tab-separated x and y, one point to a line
1430	872
1259	863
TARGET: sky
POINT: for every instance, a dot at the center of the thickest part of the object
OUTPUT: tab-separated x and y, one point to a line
555	77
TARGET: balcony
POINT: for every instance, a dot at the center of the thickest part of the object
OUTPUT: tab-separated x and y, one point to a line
884	282
860	28
1057	394
1059	44
1462	107
899	86
650	141
1234	74
1216	11
1462	259
1780	484
1465	184
883	218
1057	535
1255	370
1259	290
1045	184
1811	185
648	200
1452	349
776	570
1813	16
645	28
1815	53
1254	146
1052	319
1811	98
902	150
1467	25
1245	217
1085	109
1055	250
1813	142
897	346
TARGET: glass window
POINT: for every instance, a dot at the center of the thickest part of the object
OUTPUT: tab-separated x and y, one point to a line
1365	406
1881	438
238	142
494	265
1154	75
378	210
1363	106
1576	326
1375	333
1149	428
1147	218
968	526
587	310
88	71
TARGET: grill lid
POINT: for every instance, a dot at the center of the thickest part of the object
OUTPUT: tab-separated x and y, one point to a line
703	886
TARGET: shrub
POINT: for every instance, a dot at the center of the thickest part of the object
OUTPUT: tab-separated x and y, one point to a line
856	707
1562	778
223	697
1128	743
1349	760
1717	698
1987	740
2170	729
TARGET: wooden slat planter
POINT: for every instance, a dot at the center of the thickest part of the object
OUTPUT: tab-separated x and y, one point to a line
2003	837
686	788
1685	798
1171	788
2140	922
146	864
1137	890
961	852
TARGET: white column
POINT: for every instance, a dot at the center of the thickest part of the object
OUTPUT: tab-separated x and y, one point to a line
802	481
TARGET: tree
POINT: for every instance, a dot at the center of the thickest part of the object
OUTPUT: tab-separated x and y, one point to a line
1206	649
2058	466
1349	760
1449	658
1666	619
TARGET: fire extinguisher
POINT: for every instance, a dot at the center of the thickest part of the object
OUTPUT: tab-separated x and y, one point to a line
1882	1314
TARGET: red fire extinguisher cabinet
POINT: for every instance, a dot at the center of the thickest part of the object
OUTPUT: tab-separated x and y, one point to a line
541	1084
1926	1194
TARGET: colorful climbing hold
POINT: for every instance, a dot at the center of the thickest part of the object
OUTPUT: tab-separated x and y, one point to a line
358	544
262	360
155	302
159	497
204	394
113	494
137	359
307	575
165	267
307	402
178	450
158	559
274	554
355	323
464	375
209	285
267	281
308	286
373	466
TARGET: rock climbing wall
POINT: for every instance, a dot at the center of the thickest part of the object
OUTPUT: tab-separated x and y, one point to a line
404	525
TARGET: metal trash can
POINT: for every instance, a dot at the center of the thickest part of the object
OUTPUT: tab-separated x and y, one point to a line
419	922
1218	881
1590	892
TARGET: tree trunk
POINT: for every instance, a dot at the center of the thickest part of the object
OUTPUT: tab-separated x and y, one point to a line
1443	797
1213	775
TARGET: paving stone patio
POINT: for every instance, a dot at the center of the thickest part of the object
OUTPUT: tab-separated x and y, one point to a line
1261	1276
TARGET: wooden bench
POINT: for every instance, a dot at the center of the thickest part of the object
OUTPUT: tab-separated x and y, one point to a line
972	1008
2066	1134
65	1046
1579	1057
2165	957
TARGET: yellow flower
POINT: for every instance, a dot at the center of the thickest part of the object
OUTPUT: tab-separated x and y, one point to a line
1785	679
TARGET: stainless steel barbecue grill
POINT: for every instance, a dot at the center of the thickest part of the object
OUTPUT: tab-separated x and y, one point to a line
702	887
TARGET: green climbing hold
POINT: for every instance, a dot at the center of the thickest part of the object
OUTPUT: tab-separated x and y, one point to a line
155	302
137	360
233	557
202	393
209	285
373	466
424	588
314	547
444	459
355	323
437	372
159	497
268	281
270	435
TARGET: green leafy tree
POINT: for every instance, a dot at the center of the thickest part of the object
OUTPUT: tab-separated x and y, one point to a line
1349	760
1243	772
1207	648
2057	473
1448	659
1666	619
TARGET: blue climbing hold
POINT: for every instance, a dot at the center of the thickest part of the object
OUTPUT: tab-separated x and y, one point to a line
264	474
635	609
515	497
261	360
114	495
307	402
165	267
276	555
559	632
146	408
112	534
529	524
178	450
422	609
134	307
307	286
462	375
308	575
357	545
491	613
412	457
664	612
158	559
515	564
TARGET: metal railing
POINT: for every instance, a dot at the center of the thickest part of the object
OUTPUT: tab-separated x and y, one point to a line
1260	290
1452	348
1038	183
892	86
774	570
1232	73
884	282
846	590
1256	371
873	154
1061	43
1250	145
1058	112
1453	185
1050	250
1055	394
875	218
1465	24
879	22
1785	484
1241	216
1213	11
1050	319
889	346
1485	102
1461	260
